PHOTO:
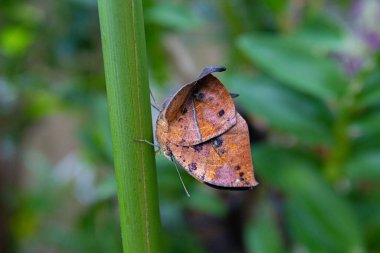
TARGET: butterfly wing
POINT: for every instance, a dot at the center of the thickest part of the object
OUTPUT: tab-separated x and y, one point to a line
207	111
173	103
222	162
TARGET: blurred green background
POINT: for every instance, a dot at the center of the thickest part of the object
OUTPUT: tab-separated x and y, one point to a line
308	75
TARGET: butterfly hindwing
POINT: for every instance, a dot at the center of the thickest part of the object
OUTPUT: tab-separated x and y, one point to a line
222	162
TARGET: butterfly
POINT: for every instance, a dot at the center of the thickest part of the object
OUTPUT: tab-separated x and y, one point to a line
200	128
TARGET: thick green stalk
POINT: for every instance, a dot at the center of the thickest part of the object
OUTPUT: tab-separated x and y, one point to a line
124	53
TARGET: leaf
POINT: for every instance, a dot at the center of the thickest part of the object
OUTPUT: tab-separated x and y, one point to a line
295	66
317	218
365	165
364	143
283	109
206	201
262	234
368	125
321	34
366	130
96	135
177	17
370	95
15	40
371	98
368	211
41	102
168	181
106	189
276	6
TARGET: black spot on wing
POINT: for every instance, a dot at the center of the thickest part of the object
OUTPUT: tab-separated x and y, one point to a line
217	142
198	148
192	166
199	96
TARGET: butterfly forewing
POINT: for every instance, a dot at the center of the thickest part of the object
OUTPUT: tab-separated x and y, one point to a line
208	111
215	109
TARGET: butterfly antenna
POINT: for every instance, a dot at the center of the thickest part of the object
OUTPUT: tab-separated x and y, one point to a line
179	174
154	101
155	107
234	95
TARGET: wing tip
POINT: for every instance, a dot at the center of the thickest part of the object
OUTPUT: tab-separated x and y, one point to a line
241	188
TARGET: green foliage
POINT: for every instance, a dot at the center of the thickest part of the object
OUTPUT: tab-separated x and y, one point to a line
15	40
290	111
176	17
318	219
309	84
263	235
296	66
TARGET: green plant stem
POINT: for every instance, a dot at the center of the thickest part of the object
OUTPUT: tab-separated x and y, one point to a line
124	53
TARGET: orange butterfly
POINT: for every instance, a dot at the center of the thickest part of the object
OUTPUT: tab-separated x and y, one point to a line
200	128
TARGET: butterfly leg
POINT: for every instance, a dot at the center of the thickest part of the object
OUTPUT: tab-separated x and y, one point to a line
152	144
